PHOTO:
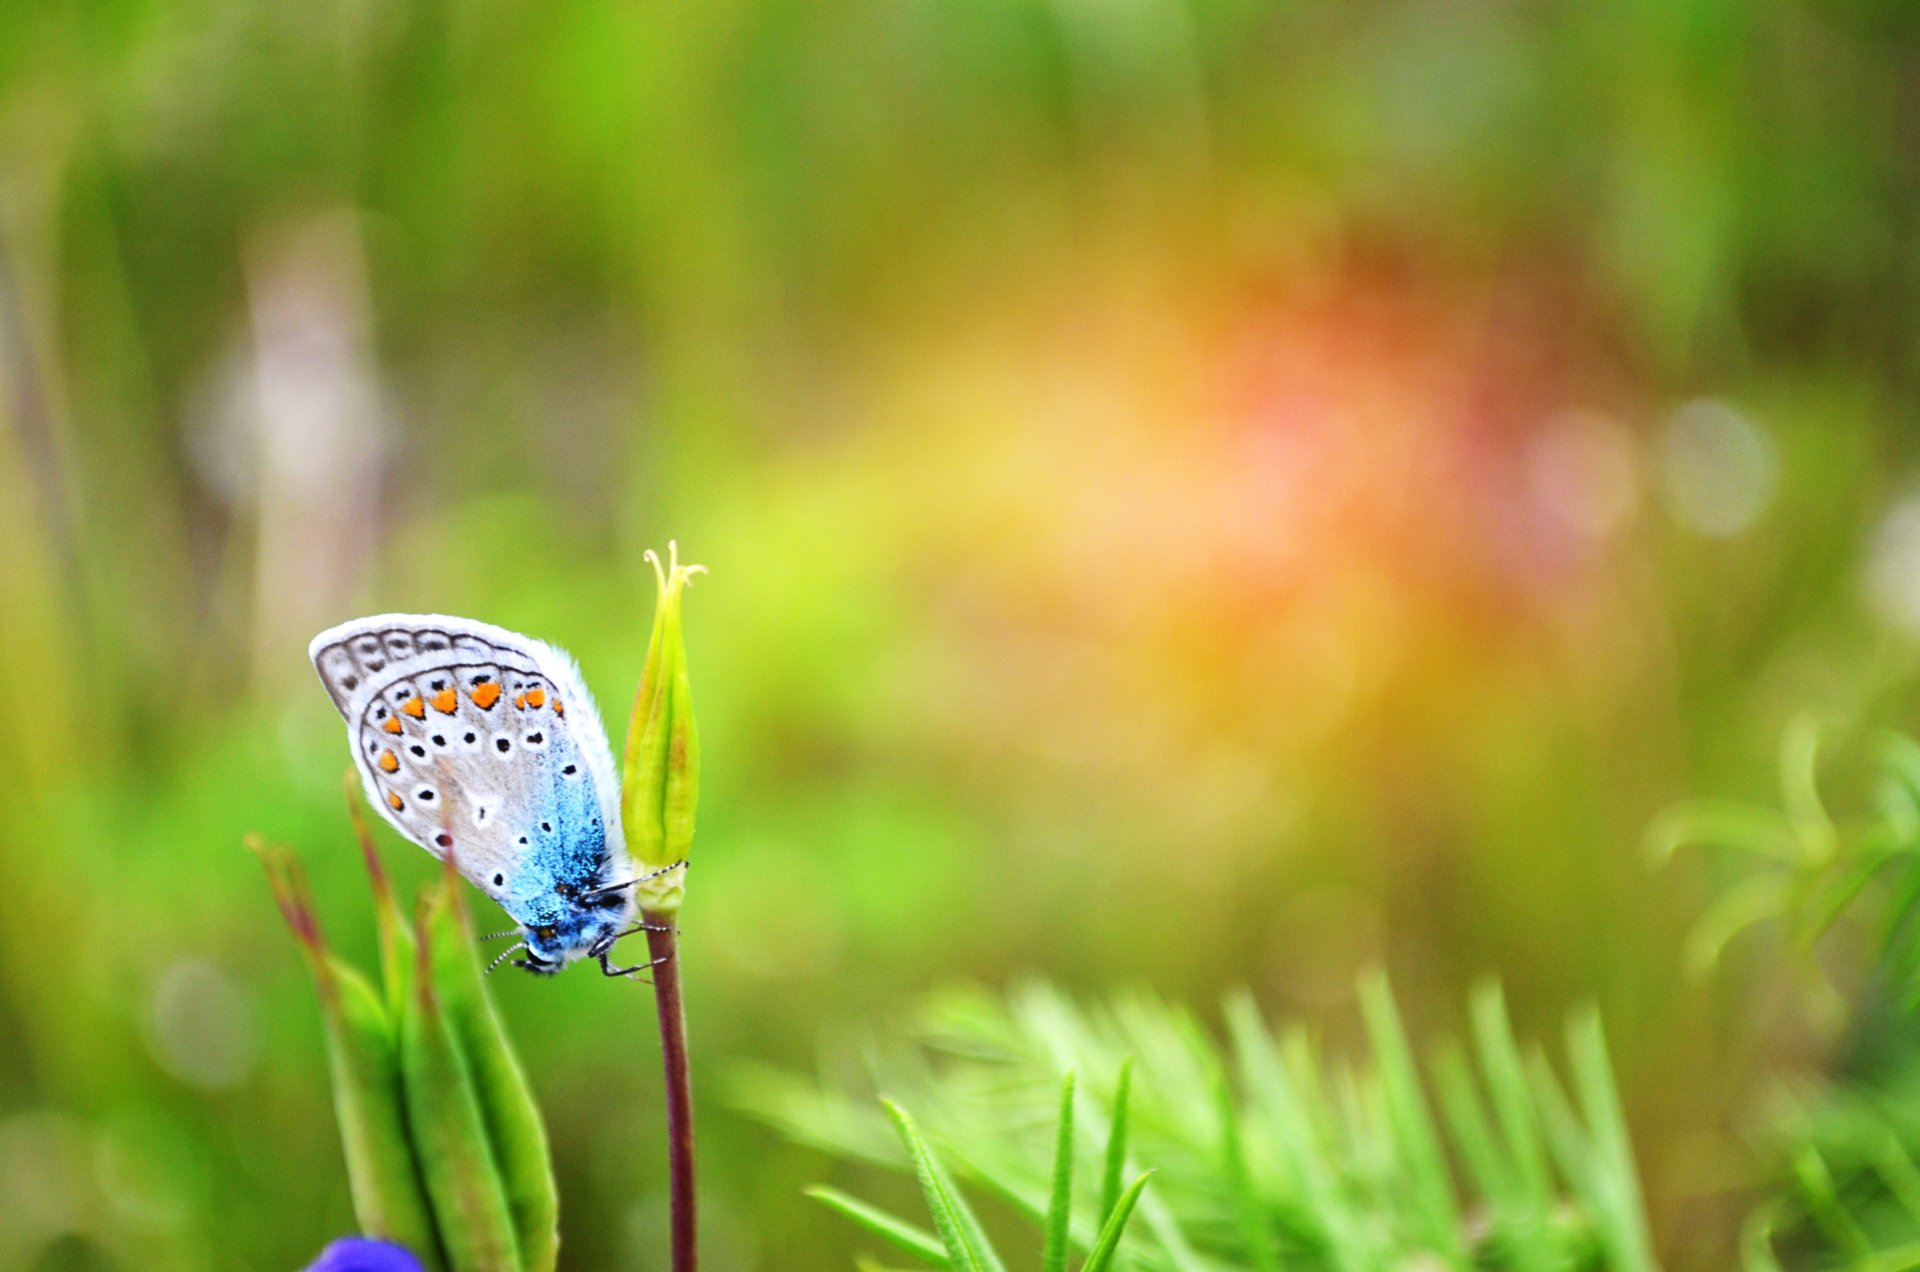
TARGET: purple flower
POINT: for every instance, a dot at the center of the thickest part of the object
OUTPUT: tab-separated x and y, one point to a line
363	1254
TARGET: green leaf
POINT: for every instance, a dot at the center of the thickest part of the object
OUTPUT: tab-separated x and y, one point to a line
1506	1081
1898	1171
1411	1123
1800	791
389	1196
1824	1204
1324	1207
1256	1242
1725	824
1053	1256
1753	900
515	1132
1833	892
1623	1211
1108	1243
449	1131
1900	756
1756	1240
1116	1159
966	1243
918	1242
1473	1134
396	937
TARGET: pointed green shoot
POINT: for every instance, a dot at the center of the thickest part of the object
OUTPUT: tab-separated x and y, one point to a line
1255	1240
660	786
918	1242
449	1129
514	1130
1411	1123
1116	1159
1108	1243
1622	1207
1053	1257
1329	1210
396	937
959	1231
389	1197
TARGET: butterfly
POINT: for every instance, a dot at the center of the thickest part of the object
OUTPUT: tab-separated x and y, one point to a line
482	745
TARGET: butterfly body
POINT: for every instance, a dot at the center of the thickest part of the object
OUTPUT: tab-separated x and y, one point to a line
483	747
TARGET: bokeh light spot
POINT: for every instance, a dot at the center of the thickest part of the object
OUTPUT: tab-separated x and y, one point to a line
1583	470
200	1025
1893	565
1720	468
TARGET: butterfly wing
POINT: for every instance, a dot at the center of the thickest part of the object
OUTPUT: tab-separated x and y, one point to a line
481	742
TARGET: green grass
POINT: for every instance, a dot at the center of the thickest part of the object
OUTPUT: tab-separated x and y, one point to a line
1268	1151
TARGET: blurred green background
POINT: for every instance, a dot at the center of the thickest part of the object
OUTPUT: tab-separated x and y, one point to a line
1197	494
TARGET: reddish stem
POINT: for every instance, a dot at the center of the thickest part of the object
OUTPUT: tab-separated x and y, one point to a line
664	947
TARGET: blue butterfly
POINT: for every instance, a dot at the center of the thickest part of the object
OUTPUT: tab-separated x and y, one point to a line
482	744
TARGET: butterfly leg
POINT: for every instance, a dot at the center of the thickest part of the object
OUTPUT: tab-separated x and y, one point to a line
611	970
605	943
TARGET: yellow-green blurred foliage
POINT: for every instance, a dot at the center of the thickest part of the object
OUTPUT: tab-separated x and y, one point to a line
1197	493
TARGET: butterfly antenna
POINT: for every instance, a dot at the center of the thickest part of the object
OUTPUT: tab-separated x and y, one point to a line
501	957
494	936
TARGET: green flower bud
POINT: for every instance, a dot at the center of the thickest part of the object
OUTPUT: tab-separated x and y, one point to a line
507	1111
447	1123
445	1148
660	784
389	1195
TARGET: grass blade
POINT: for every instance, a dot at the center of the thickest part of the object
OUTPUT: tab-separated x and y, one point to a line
1116	1162
1723	824
1108	1243
918	1242
396	936
389	1196
1506	1082
966	1243
449	1131
1411	1123
1326	1212
1256	1242
1623	1211
514	1129
1053	1257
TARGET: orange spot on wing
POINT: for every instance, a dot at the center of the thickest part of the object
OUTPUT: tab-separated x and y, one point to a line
445	701
484	696
559	708
414	707
520	701
392	724
389	762
536	696
393	801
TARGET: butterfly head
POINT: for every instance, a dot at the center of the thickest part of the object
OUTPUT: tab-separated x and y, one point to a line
576	927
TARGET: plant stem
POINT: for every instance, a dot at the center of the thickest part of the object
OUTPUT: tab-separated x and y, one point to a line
664	946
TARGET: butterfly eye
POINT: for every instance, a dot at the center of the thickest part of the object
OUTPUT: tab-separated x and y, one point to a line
545	933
